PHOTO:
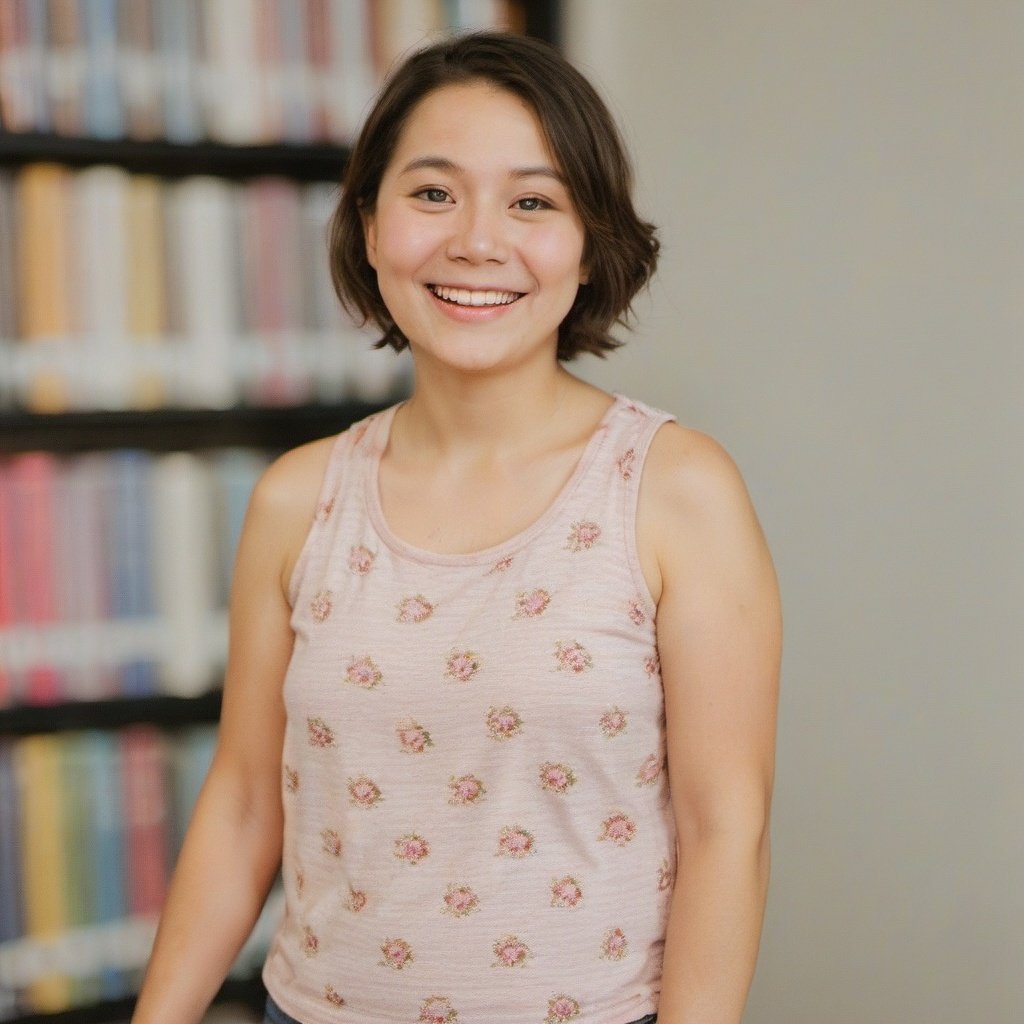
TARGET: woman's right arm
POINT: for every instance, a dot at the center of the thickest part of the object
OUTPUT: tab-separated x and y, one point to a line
232	849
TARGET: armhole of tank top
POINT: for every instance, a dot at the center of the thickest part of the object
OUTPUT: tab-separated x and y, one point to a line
330	487
645	437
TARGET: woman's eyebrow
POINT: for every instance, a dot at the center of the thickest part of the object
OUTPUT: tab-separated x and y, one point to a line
443	164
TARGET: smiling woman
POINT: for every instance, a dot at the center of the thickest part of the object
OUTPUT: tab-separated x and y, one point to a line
476	242
515	639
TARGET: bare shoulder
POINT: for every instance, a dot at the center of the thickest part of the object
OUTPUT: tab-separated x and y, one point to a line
695	515
284	500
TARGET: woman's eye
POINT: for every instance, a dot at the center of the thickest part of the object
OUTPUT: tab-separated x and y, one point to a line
433	195
532	203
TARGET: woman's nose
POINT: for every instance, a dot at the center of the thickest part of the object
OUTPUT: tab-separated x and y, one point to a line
478	235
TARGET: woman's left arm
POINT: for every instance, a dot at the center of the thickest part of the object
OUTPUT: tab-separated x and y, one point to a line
719	634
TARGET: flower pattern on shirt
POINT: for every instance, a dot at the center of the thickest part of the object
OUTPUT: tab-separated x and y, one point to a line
412	737
323	511
360	559
460	900
572	657
364	672
333	996
310	942
414	609
561	1008
356	900
291	779
437	1010
556	778
412	848
649	771
503	723
330	839
500	565
465	790
613	722
614	946
461	666
636	613
320	733
320	606
618	828
510	951
530	604
626	462
666	876
566	892
396	954
652	665
515	842
583	535
364	792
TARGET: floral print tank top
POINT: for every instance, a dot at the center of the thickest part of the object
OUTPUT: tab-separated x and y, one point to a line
477	818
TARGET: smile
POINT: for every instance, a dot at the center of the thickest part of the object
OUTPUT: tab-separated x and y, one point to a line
465	297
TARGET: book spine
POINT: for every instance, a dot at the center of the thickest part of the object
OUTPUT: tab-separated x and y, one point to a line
43	865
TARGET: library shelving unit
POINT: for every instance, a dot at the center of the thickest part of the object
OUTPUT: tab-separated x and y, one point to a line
167	430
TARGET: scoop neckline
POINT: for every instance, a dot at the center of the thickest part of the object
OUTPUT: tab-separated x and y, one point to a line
496	552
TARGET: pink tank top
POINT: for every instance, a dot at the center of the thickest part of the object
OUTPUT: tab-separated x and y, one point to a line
477	817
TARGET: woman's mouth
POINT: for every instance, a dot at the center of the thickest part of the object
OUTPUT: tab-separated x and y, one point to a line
474	297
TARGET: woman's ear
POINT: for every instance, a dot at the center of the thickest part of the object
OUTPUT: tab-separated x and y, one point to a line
369	235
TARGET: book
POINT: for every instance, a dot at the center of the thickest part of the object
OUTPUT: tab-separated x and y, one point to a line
8	290
144	788
43	254
82	549
11	682
202	241
31	478
183	561
132	603
103	107
138	70
232	112
12	919
65	67
146	291
176	37
106	851
43	861
100	269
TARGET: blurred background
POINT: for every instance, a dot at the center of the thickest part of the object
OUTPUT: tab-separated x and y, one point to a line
839	193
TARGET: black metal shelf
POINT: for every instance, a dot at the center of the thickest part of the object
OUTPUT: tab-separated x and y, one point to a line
177	429
115	713
308	163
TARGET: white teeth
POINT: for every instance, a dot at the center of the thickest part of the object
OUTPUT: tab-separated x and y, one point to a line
465	297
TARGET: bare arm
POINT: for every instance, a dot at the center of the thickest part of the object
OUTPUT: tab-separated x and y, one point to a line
232	849
719	639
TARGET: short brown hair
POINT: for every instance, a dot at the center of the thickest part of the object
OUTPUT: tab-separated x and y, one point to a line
620	251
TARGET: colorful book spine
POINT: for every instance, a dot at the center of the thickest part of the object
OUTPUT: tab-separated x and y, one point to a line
131	582
44	272
32	482
12	913
43	865
103	107
65	67
107	846
144	797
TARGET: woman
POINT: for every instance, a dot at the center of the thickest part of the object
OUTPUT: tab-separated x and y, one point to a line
504	658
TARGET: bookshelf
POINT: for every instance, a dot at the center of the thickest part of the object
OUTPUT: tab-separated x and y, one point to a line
167	731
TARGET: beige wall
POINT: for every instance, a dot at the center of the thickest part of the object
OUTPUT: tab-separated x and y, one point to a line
841	191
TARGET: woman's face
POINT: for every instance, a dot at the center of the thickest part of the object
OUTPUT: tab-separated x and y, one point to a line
476	243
